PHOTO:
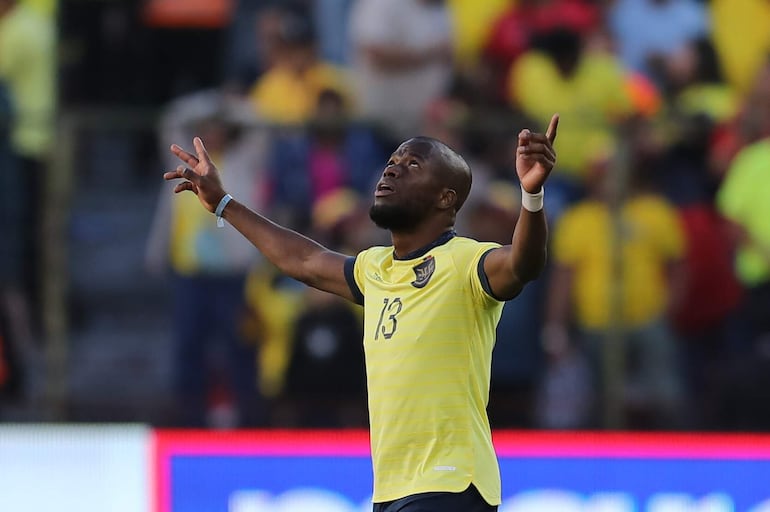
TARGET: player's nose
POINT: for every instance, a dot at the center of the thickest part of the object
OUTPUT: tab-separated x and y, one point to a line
392	171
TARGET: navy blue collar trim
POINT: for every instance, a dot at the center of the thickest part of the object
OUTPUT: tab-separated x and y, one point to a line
441	240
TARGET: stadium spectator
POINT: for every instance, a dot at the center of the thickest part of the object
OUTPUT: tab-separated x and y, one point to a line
325	384
250	41
648	274
28	70
209	265
272	302
514	31
289	90
402	59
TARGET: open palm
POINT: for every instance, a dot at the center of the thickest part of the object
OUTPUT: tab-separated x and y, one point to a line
200	175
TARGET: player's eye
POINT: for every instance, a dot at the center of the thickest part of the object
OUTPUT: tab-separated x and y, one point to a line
414	163
390	162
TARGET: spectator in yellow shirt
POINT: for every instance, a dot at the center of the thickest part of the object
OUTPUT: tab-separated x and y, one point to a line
635	290
288	92
28	69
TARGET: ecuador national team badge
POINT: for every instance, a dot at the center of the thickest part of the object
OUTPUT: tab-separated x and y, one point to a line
423	272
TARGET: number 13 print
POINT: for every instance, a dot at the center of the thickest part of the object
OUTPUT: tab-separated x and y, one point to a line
387	325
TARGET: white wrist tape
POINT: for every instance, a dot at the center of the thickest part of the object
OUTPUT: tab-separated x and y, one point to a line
221	208
532	202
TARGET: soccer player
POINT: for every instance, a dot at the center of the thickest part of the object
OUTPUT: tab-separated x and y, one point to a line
431	301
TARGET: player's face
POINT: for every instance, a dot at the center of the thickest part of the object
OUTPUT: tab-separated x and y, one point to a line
405	194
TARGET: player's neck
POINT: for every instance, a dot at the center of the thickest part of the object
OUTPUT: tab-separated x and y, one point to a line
408	243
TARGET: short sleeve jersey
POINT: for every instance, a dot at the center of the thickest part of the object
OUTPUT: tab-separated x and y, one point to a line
429	330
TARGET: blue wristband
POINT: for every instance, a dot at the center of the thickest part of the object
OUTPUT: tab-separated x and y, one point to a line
221	208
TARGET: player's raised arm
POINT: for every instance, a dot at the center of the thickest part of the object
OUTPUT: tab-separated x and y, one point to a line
294	254
512	266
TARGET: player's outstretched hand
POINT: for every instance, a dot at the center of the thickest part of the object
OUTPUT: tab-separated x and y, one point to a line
535	156
200	175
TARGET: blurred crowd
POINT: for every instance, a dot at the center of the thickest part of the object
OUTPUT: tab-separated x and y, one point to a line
656	300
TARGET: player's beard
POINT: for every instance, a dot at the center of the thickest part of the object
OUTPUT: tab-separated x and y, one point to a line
397	217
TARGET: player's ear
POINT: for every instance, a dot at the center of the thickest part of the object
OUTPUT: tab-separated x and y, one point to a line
448	199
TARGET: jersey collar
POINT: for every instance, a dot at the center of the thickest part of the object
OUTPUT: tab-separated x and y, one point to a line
441	240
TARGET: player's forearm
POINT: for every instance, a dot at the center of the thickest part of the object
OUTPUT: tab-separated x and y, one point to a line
288	250
529	245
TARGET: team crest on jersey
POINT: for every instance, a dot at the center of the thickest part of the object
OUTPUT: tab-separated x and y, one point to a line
423	272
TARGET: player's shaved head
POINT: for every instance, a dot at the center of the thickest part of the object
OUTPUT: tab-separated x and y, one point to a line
432	191
449	166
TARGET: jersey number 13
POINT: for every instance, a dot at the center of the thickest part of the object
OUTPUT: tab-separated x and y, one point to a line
388	323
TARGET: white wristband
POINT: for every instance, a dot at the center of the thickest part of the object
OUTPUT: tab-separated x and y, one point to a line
532	202
221	208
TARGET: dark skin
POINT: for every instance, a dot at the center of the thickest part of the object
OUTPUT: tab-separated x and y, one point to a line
420	173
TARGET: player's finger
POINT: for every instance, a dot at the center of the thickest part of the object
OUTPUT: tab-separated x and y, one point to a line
175	174
533	147
524	137
550	133
544	151
200	149
538	137
185	185
191	175
183	155
539	158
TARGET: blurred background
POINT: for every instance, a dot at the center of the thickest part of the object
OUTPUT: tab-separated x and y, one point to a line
122	303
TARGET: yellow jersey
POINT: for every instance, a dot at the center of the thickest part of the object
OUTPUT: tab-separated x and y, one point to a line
429	321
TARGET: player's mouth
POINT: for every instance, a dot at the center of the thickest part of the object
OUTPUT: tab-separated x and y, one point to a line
383	189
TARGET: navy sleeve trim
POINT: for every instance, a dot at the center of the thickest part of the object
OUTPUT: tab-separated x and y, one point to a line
483	277
354	289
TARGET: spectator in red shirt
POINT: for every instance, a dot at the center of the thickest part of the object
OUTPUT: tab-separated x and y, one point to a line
514	29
